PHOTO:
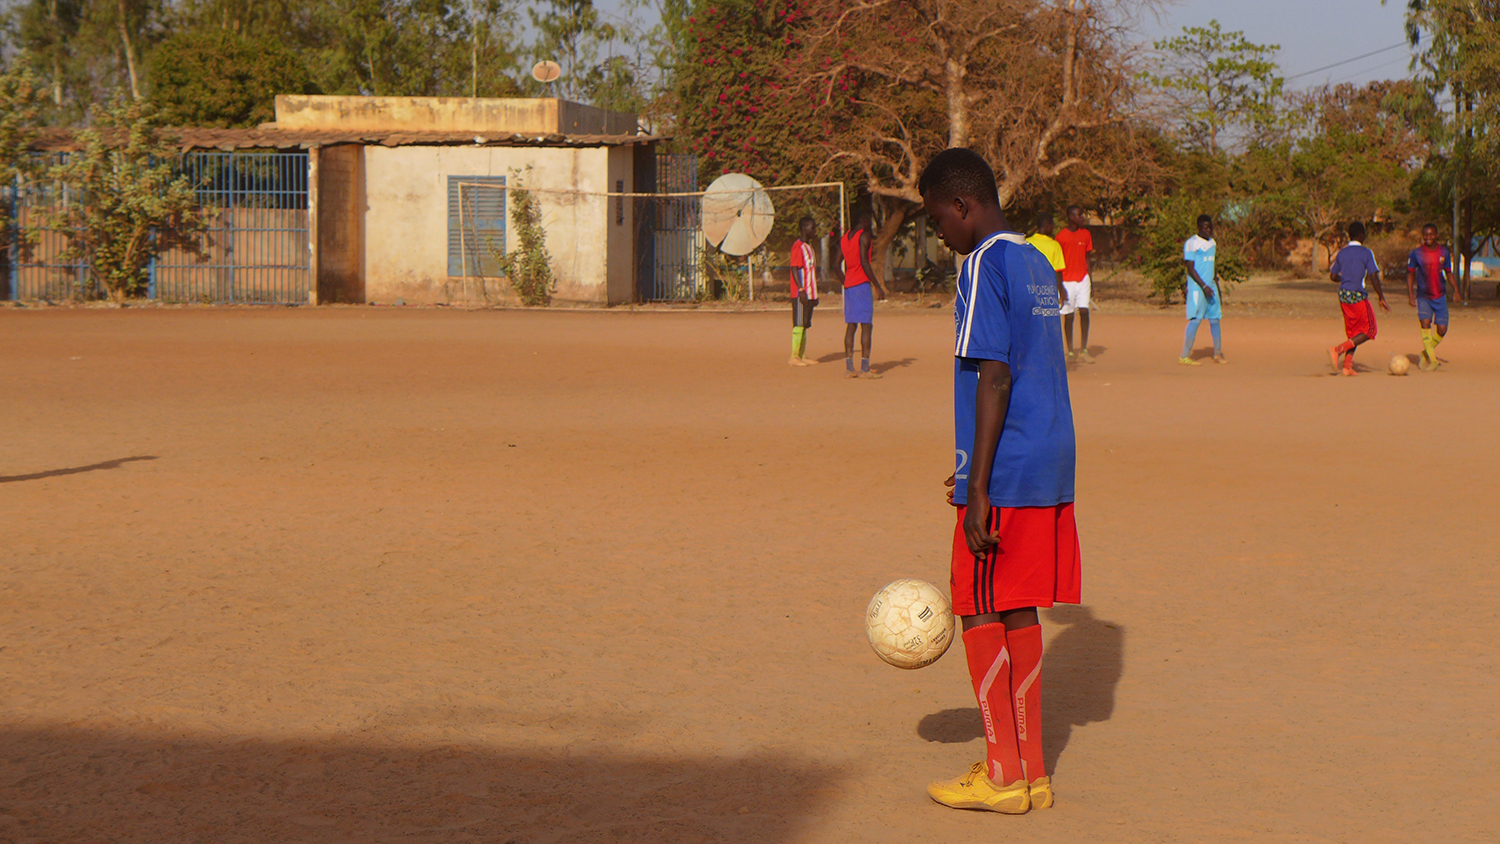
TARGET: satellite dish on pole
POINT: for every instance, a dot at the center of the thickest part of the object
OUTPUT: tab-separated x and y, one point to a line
737	214
545	72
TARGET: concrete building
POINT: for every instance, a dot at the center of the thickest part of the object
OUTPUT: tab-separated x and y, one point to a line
406	199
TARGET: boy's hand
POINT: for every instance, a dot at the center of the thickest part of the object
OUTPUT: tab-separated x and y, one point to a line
976	534
1383	305
952	479
1208	293
1411	301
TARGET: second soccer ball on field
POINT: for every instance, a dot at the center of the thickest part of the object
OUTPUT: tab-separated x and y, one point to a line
910	623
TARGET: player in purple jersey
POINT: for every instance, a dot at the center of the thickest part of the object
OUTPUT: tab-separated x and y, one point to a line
1432	265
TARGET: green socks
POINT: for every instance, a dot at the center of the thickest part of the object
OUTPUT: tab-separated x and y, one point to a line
799	341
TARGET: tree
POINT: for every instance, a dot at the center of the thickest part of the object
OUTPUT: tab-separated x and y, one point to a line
571	33
87	49
1461	56
1217	83
413	48
21	100
133	203
1033	85
219	77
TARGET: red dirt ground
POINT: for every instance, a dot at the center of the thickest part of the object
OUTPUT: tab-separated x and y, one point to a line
420	575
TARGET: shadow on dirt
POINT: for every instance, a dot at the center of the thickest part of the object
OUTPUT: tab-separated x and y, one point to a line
1080	671
71	785
75	470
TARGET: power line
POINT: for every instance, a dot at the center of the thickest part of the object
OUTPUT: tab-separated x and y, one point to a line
1347	61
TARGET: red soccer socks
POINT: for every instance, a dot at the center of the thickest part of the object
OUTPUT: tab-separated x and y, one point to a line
1026	692
990	669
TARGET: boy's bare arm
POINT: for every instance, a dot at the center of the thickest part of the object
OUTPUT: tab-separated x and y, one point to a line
991	403
1411	287
1374	280
864	262
1193	273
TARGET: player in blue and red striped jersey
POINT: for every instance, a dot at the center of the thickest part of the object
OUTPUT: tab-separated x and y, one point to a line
1433	264
804	290
1015	546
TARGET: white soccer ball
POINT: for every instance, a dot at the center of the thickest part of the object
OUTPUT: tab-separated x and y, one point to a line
1400	364
910	623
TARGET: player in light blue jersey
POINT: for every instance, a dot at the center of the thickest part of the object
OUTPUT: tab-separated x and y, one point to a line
1201	291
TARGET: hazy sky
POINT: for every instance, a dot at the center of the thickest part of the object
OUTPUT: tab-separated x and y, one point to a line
1312	34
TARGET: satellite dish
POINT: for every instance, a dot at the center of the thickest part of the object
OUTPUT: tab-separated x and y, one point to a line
548	71
737	214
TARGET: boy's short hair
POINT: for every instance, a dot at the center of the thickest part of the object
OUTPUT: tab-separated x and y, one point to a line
1356	230
862	215
1072	208
1204	218
1044	218
1432	226
807	220
959	173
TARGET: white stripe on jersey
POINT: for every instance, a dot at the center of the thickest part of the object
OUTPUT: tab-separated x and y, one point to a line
961	347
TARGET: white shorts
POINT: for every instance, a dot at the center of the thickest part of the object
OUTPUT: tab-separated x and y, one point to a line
1078	296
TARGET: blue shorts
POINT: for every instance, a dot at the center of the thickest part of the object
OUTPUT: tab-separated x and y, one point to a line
859	304
1433	309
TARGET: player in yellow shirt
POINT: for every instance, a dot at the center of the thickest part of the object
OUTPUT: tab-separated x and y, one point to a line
1050	248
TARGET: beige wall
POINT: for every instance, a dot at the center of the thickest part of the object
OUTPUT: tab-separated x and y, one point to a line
449	114
406	223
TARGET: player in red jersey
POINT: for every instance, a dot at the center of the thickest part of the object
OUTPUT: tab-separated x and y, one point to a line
859	304
804	290
1077	243
1015	546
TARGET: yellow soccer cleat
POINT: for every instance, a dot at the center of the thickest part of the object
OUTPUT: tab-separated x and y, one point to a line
1041	793
975	791
1189	362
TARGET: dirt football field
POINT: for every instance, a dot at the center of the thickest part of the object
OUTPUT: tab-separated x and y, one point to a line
421	575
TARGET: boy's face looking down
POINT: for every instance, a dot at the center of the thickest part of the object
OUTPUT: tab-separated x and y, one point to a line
954	216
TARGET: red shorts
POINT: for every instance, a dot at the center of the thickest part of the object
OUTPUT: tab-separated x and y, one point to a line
1035	564
1359	318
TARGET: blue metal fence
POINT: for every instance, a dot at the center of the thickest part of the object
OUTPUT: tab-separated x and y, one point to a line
256	249
678	245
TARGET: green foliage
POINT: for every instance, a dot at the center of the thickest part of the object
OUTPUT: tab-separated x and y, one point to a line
1159	256
221	78
133	204
21	101
529	266
1220	82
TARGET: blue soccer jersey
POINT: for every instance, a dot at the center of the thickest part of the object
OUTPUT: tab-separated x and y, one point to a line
1201	252
1006	310
1350	266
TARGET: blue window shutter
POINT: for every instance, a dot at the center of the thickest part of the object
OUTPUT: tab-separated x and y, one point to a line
482	222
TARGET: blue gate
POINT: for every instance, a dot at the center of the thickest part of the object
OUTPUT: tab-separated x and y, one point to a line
677	238
256	248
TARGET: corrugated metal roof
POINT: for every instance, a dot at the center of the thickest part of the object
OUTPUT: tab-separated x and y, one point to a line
267	137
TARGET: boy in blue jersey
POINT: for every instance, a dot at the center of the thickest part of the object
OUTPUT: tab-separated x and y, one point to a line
1435	264
1015	545
1351	267
1200	290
